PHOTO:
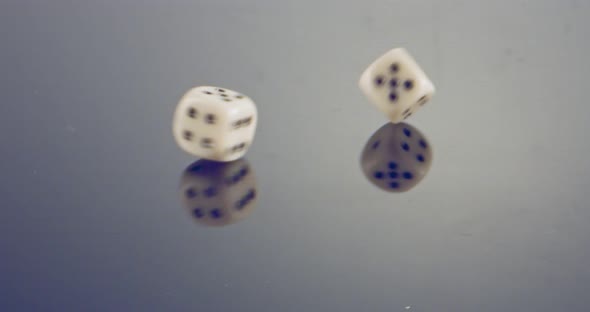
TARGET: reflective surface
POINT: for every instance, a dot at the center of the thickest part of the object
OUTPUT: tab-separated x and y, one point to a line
218	194
92	216
397	157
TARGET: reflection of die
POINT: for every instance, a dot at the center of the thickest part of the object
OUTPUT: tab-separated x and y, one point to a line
396	84
219	194
396	157
215	123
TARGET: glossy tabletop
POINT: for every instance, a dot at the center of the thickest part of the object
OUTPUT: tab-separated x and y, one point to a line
93	216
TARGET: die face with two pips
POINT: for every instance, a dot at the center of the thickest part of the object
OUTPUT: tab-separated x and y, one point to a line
396	157
215	123
219	193
396	85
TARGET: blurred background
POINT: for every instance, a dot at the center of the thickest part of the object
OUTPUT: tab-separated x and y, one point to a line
92	214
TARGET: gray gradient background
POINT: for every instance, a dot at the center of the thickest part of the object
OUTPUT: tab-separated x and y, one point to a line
90	215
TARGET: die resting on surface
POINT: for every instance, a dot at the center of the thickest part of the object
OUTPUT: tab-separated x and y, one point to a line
396	85
215	123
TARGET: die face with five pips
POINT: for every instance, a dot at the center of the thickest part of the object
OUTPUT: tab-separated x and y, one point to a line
396	85
396	157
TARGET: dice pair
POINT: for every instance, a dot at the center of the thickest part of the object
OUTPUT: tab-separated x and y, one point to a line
219	124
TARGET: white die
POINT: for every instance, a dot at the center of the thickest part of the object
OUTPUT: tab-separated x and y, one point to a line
215	123
219	193
396	85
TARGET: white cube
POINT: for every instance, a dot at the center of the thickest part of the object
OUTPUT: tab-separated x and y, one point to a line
396	85
215	123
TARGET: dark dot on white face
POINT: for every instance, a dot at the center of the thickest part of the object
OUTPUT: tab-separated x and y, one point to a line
221	90
207	92
408	84
191	193
423	144
227	100
392	96
239	96
394	67
394	185
393	83
192	113
198	213
393	175
407	132
420	158
408	115
241	145
408	175
406	111
224	95
379	80
392	165
210	118
405	146
376	144
187	135
422	100
210	191
216	213
206	142
378	175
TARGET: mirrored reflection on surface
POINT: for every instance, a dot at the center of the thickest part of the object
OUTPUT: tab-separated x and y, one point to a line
396	157
218	194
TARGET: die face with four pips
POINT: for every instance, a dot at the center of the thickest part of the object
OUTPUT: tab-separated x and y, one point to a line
215	123
219	193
